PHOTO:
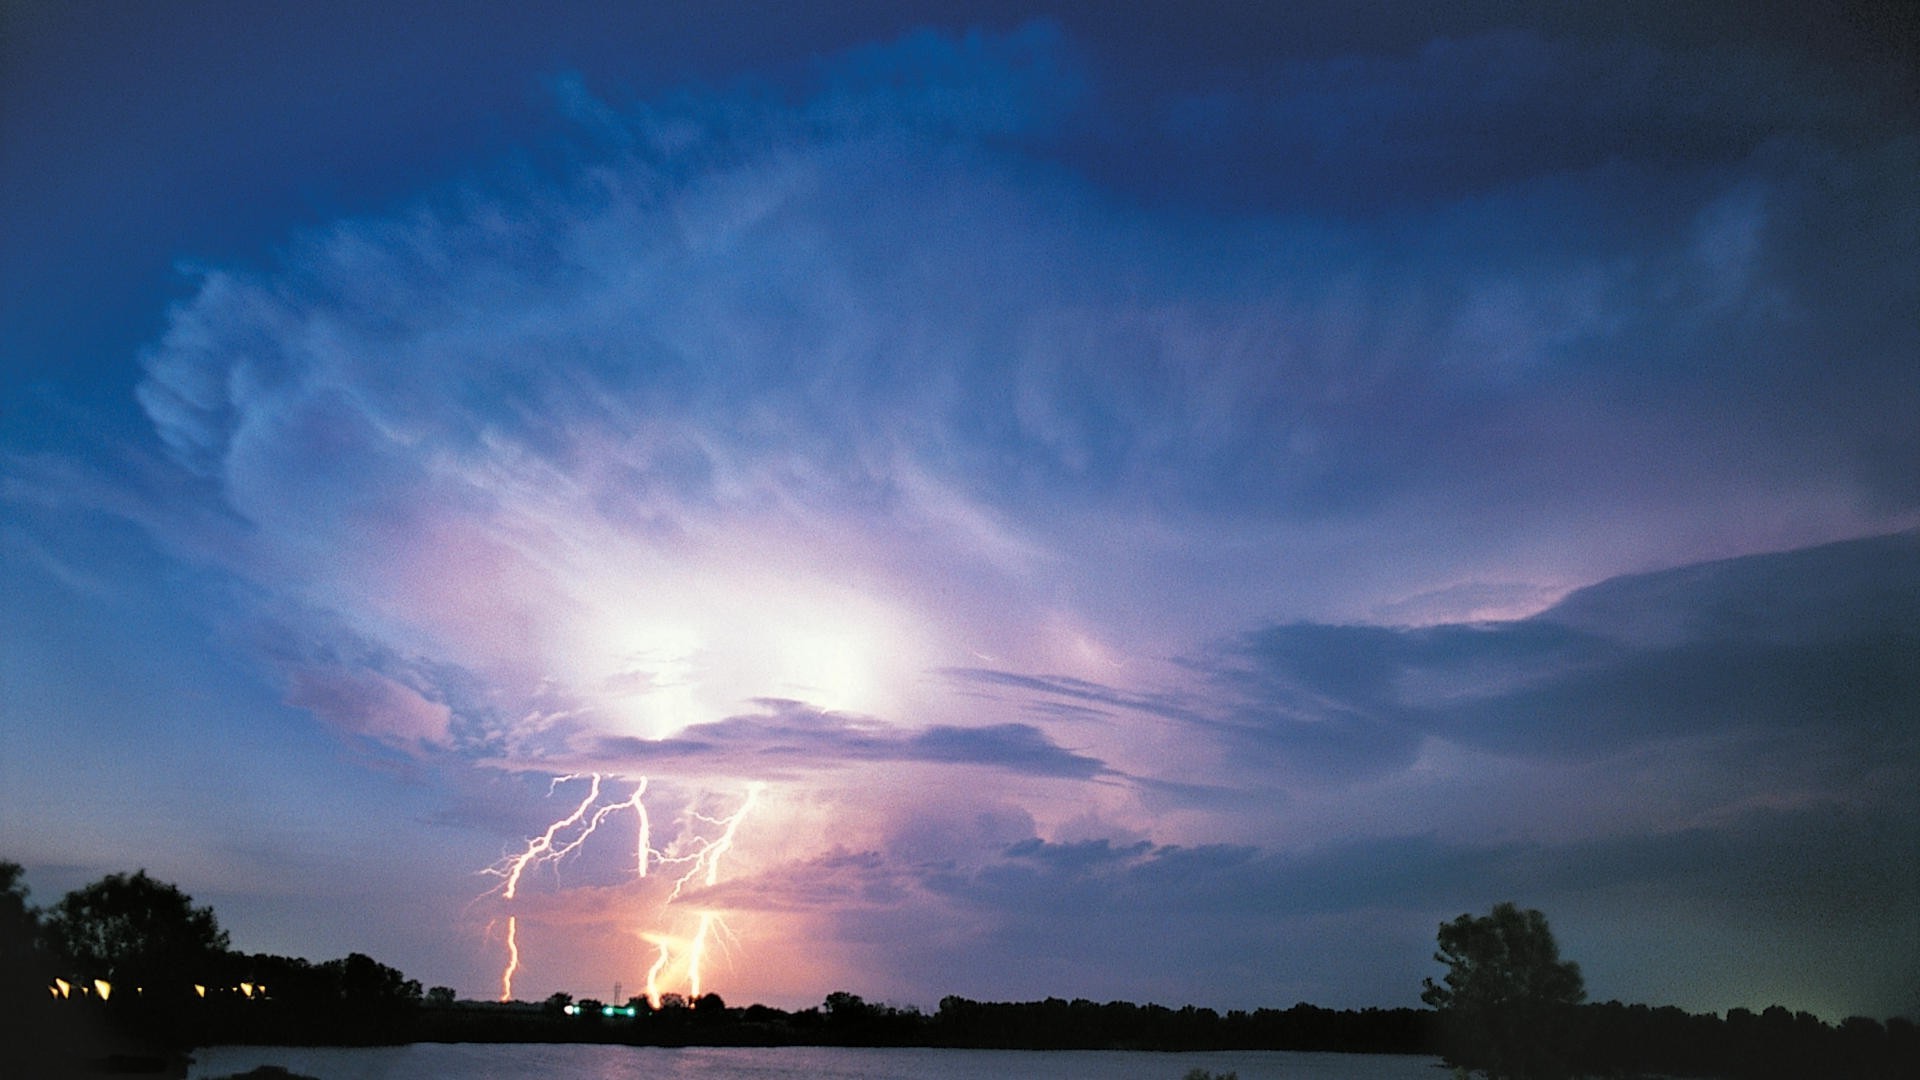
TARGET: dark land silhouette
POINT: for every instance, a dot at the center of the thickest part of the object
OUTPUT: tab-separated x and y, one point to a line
167	982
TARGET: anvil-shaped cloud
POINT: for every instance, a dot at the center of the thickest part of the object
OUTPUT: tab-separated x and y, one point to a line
798	400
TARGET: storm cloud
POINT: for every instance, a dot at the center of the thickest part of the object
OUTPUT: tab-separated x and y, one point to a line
1287	493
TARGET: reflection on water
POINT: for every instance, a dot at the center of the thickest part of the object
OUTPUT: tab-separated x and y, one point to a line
475	1061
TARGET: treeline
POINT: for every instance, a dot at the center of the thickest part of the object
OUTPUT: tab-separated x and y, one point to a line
1603	1040
1056	1024
845	1019
124	973
1613	1039
352	1001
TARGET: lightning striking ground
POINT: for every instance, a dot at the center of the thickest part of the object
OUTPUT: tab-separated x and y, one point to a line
678	960
513	958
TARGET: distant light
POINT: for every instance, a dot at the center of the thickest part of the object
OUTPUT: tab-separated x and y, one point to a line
103	988
198	989
246	988
608	1010
62	988
571	1010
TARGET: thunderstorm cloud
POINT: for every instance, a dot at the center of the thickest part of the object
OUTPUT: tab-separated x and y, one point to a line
1287	501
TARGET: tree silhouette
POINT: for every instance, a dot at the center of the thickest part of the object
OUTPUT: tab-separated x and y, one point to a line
1506	1001
137	932
364	981
24	971
19	923
709	1009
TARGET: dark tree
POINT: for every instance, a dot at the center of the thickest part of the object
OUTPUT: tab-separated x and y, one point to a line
440	997
362	980
19	923
25	970
39	1035
1507	999
844	1006
137	932
709	1009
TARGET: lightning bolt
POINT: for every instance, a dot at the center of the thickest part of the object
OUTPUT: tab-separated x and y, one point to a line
699	854
695	951
513	958
541	847
706	855
659	965
707	860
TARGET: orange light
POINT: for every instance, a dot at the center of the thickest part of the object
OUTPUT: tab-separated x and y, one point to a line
659	965
694	954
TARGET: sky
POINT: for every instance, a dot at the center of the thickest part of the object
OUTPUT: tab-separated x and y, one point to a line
1167	506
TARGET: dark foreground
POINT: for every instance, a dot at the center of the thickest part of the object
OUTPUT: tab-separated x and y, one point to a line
91	1038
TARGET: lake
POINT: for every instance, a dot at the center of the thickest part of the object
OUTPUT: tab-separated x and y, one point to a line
511	1061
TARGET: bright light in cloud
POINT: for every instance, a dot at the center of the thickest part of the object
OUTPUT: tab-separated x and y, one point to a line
828	669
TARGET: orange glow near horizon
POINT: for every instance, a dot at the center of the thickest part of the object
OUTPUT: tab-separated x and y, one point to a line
653	973
694	953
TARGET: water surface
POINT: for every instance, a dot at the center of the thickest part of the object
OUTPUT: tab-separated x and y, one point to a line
486	1061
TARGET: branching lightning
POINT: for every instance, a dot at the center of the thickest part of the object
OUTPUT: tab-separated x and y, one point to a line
707	853
703	842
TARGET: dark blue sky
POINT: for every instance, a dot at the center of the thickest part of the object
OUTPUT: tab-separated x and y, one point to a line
1300	474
